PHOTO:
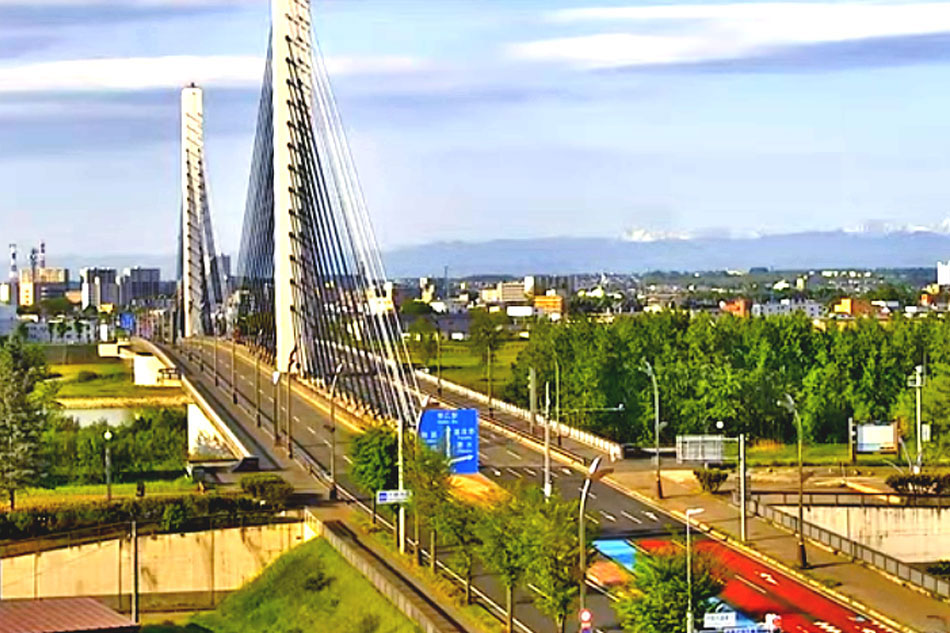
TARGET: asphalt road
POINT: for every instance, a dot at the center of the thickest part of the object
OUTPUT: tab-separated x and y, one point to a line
614	514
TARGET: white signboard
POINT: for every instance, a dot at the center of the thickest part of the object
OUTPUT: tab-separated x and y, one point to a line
389	497
699	448
877	438
721	620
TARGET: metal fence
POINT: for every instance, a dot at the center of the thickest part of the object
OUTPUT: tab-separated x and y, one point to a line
851	498
937	586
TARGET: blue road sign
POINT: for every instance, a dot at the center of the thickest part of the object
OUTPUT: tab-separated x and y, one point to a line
127	321
453	432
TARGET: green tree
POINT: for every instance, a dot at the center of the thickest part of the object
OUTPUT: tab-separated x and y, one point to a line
416	308
486	331
422	339
374	461
658	593
23	415
503	548
553	554
459	520
427	475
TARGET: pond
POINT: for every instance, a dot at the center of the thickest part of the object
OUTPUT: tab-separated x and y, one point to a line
113	417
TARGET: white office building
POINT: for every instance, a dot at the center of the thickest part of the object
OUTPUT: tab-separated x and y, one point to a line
812	309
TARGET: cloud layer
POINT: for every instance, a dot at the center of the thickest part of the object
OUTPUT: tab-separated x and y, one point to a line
696	33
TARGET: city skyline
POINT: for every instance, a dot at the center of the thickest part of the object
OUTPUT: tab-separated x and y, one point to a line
474	120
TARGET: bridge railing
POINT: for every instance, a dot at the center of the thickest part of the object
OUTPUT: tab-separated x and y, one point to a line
904	572
612	449
851	498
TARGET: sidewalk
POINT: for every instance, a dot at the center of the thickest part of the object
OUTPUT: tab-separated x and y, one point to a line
834	575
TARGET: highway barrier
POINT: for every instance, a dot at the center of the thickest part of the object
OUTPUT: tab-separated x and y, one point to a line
905	573
612	449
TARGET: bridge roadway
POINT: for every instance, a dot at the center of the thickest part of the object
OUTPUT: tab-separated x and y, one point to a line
505	461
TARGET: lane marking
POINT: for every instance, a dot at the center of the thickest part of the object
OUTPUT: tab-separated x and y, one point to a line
347	459
567	471
751	584
651	516
530	472
592	519
631	517
609	516
514	472
513	454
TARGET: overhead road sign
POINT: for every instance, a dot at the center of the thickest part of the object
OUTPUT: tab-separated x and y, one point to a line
453	432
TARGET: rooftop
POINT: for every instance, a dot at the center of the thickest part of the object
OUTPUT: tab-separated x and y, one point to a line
61	615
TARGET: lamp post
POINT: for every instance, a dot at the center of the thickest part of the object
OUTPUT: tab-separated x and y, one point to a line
491	410
916	380
214	339
332	429
234	389
789	404
648	369
593	474
547	440
257	377
690	623
438	341
107	436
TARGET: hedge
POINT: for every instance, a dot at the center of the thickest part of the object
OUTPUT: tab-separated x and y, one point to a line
920	484
270	488
172	513
711	479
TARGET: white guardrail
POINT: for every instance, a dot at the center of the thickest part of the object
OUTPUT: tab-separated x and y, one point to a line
612	449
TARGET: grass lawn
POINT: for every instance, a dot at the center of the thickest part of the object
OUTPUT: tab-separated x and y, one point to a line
91	492
460	366
774	454
311	588
113	378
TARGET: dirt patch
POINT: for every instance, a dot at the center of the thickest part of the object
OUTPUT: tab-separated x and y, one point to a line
177	400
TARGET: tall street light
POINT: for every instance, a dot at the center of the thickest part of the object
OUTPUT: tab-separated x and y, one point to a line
107	436
690	622
648	369
916	380
593	474
789	404
332	429
257	376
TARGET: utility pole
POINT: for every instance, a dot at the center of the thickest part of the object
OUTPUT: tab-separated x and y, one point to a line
333	384
214	339
547	440
275	381
257	378
234	389
107	436
648	369
135	572
557	398
491	411
690	623
438	340
917	382
532	398
789	403
743	522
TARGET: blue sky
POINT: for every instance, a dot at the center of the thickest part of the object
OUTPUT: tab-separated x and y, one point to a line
476	119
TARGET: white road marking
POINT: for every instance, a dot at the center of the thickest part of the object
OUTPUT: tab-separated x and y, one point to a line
296	419
567	471
631	517
593	519
608	516
482	457
310	428
531	472
650	515
513	454
751	584
768	578
496	472
514	472
347	459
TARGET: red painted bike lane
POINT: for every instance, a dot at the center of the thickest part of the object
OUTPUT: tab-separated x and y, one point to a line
756	590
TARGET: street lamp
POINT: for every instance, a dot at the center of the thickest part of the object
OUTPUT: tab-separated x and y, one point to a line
648	369
916	380
107	436
789	404
593	474
333	383
690	513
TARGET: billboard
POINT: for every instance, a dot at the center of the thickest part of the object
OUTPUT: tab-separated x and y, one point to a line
877	438
454	432
127	321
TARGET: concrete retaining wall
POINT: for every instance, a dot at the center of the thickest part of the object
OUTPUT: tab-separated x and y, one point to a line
199	565
913	535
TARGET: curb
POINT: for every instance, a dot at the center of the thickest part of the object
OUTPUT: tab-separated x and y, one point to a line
732	543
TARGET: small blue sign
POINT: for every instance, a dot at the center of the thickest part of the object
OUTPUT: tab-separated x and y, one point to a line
127	321
454	432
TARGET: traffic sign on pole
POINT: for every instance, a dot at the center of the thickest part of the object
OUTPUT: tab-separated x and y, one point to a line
587	620
390	497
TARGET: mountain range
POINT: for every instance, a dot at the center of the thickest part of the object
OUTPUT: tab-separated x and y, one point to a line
905	248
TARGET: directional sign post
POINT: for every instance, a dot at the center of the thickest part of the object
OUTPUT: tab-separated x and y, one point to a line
391	497
719	620
453	432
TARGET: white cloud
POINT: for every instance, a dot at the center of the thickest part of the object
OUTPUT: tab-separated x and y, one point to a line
701	32
146	73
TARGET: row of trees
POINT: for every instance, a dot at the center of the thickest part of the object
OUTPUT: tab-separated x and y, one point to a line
524	540
737	370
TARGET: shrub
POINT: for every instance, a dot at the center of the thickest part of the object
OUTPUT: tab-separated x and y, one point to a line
711	479
267	487
920	484
940	568
173	518
86	376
